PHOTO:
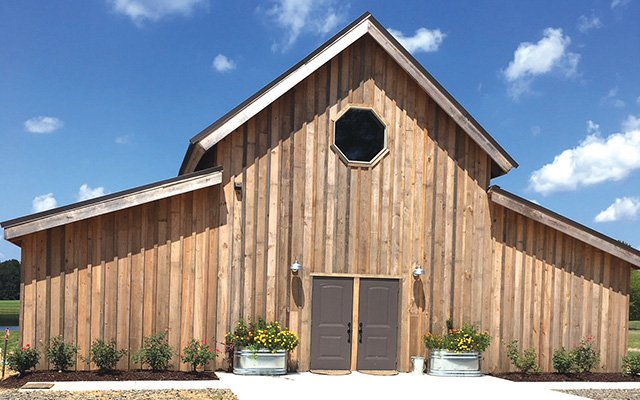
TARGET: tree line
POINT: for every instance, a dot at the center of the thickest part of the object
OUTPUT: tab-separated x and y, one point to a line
10	280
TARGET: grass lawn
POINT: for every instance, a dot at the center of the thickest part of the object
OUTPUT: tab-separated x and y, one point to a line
633	341
9	316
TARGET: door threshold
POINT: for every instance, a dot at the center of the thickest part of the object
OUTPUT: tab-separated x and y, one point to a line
330	371
379	372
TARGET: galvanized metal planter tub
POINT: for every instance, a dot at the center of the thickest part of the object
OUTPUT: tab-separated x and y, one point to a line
445	363
259	362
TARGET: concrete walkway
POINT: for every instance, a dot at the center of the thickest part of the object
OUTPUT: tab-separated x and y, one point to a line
402	386
359	386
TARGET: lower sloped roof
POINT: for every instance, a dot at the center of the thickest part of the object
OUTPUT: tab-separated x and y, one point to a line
18	227
564	225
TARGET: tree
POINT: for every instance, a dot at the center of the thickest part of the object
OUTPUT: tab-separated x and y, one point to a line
634	296
10	280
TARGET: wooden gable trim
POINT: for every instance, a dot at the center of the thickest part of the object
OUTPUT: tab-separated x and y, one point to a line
564	225
18	227
366	24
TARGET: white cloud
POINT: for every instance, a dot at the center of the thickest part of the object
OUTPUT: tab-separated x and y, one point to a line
140	11
585	24
42	124
2	256
424	40
296	17
611	98
623	208
619	3
43	202
593	128
536	130
222	64
593	161
549	54
86	192
632	123
124	139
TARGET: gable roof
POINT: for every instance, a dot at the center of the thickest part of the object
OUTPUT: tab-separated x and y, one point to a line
17	227
364	25
564	225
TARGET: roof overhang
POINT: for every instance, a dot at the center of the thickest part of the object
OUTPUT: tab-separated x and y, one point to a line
365	25
565	225
18	227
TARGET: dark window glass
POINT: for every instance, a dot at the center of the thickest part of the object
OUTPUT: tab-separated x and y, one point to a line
359	134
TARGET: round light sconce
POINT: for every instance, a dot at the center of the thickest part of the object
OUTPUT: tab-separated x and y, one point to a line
418	271
295	267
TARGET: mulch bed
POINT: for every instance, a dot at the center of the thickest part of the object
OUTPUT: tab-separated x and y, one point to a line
16	381
556	377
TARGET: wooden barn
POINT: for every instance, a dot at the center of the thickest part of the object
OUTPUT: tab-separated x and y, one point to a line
358	164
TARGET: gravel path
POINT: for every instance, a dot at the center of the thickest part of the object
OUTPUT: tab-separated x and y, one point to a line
214	394
608	394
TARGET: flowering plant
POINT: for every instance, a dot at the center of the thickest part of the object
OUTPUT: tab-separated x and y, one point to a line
197	354
24	359
261	335
466	339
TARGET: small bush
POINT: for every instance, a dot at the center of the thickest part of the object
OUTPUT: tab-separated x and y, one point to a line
563	361
62	355
155	352
631	364
585	357
24	359
526	362
197	354
105	355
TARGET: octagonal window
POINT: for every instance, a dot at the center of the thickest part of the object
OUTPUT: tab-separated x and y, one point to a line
360	135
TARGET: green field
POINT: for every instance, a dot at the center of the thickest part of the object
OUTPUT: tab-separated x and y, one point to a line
9	312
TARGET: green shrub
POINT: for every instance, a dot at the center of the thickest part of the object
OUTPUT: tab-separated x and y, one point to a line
60	354
526	362
197	354
24	359
105	355
585	357
631	364
563	361
155	352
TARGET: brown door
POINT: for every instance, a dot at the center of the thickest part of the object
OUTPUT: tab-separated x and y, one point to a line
377	329
331	329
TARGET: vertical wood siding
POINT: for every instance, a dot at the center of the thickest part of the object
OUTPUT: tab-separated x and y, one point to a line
554	290
195	263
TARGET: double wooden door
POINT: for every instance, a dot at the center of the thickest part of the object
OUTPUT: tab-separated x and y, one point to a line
354	324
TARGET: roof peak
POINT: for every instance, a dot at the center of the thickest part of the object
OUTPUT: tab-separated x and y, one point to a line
366	24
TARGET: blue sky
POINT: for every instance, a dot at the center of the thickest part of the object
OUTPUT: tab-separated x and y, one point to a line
100	96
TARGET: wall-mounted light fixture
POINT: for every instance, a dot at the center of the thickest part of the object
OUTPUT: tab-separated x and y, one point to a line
418	271
295	267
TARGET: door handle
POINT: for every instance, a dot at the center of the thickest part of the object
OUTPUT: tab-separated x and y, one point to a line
348	332
360	332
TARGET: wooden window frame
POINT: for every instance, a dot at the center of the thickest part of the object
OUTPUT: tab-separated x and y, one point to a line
343	157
